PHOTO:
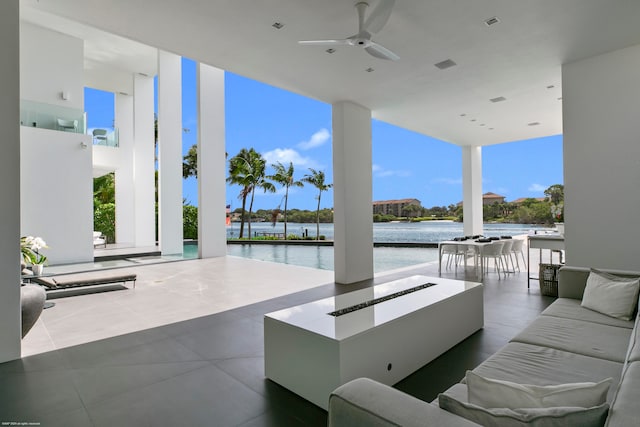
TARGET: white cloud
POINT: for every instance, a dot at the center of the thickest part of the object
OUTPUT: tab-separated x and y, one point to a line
286	155
537	188
449	181
317	139
380	172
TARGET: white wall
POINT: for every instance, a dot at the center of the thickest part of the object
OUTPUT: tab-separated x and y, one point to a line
56	178
56	193
9	182
601	97
51	63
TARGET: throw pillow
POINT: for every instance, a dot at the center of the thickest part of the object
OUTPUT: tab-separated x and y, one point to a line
528	417
490	393
612	295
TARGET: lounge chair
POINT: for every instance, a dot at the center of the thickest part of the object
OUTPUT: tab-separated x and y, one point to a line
77	280
99	239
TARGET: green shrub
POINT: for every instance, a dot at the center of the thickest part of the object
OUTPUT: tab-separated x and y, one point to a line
104	220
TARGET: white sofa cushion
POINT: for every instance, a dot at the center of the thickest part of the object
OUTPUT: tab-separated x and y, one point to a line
529	417
612	295
491	393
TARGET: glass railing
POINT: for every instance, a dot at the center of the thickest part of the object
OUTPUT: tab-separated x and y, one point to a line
64	119
105	137
55	117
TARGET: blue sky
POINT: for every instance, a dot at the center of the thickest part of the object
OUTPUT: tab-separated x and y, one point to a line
285	127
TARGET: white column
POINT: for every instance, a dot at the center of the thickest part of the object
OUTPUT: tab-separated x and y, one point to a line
472	190
10	322
352	189
144	161
170	152
212	237
125	188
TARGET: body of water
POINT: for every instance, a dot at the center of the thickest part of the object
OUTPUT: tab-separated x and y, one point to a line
385	259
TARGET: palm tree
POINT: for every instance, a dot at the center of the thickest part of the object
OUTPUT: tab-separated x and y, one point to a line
258	180
316	178
284	177
240	174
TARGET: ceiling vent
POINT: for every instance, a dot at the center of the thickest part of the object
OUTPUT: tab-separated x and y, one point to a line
498	99
533	124
447	63
277	25
491	21
330	50
369	70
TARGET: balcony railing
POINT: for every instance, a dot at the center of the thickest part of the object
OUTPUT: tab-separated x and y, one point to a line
64	119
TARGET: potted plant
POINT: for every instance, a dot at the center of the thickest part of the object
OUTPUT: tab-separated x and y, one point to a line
32	297
557	210
30	250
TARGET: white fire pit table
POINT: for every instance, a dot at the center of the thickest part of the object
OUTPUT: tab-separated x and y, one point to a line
385	332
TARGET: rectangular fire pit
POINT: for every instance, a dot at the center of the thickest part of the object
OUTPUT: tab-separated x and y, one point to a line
385	332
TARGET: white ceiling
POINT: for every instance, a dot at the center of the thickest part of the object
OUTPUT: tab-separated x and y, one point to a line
519	58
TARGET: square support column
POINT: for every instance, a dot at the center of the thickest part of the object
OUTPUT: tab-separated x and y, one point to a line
10	323
472	190
125	184
212	232
144	161
352	193
170	153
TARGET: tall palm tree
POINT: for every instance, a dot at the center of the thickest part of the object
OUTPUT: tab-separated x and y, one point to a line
316	178
284	177
258	180
240	173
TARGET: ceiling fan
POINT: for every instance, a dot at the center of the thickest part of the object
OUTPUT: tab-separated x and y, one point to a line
366	28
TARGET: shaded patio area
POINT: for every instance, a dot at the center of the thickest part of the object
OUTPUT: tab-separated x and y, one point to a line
206	367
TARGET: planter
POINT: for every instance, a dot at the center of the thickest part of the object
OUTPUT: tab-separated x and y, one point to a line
32	298
37	269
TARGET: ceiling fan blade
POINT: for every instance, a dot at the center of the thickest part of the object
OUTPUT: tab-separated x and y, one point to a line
379	51
342	42
379	16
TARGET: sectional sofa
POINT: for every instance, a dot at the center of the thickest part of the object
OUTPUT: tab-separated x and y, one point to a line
567	343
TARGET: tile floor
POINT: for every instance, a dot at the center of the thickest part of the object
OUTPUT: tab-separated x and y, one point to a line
184	365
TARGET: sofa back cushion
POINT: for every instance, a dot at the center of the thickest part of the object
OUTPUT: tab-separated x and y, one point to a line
572	280
612	295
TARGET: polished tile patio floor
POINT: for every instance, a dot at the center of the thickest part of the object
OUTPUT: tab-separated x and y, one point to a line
186	347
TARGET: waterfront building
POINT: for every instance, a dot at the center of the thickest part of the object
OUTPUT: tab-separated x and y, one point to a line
394	207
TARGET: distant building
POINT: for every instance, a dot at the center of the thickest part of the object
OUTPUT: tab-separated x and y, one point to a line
394	207
489	199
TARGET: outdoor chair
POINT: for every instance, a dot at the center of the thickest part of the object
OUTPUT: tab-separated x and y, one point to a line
492	251
68	125
99	240
517	251
100	136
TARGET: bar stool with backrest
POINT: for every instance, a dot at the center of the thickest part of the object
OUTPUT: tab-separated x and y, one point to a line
492	251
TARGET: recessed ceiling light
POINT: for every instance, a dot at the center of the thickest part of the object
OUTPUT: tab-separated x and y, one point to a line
533	124
498	99
491	21
277	25
560	99
483	124
330	50
369	70
551	86
143	74
473	120
123	93
447	63
490	128
463	114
